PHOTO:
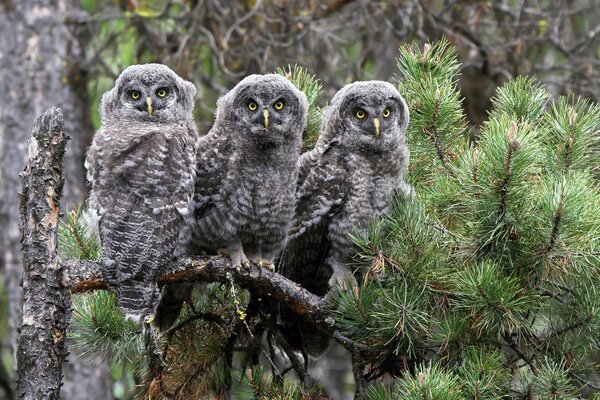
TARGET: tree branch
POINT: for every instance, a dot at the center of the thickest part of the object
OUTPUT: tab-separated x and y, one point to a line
46	301
82	276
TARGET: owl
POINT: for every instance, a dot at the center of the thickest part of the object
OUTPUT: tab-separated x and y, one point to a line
246	174
141	172
357	164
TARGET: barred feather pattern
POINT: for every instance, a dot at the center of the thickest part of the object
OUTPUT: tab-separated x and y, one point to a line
142	176
246	180
141	172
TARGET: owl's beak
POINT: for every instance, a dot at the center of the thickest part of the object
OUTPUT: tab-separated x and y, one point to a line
149	104
266	117
376	124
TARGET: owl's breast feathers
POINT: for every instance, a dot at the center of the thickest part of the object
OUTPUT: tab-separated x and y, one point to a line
153	161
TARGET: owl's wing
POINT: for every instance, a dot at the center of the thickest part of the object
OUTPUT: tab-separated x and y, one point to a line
306	162
320	196
214	153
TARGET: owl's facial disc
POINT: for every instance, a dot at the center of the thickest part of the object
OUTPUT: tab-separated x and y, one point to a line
149	99
373	120
264	112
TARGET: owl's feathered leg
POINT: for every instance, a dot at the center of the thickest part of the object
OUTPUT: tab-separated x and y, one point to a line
236	253
341	276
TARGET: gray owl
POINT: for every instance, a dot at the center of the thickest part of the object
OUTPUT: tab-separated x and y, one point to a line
358	162
246	171
141	168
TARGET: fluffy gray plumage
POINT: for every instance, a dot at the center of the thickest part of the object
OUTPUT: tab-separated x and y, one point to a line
358	162
141	169
246	175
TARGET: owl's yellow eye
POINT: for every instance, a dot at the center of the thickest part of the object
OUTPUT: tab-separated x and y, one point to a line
386	113
279	105
252	106
162	92
134	94
360	114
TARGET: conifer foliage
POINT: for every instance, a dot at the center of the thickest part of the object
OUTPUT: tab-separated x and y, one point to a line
483	285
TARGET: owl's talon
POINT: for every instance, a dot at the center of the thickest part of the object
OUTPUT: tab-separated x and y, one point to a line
266	264
238	258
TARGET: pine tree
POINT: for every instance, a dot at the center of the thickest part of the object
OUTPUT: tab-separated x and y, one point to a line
486	281
481	286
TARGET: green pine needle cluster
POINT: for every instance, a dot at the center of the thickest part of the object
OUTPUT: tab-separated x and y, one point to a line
198	368
428	81
255	383
74	239
312	88
99	329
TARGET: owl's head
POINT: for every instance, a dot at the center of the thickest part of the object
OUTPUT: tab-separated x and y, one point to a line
265	109
368	115
150	92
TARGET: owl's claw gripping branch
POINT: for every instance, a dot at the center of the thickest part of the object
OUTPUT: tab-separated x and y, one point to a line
268	265
238	258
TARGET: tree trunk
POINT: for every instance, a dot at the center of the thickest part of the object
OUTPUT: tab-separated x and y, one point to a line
39	68
41	348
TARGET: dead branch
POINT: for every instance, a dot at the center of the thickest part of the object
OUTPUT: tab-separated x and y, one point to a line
41	348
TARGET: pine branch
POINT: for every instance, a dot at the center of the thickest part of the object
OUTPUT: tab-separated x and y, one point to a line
431	131
513	144
585	382
520	352
556	222
296	364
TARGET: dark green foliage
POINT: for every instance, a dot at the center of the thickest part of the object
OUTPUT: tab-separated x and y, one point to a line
489	275
99	329
427	80
431	383
312	88
255	383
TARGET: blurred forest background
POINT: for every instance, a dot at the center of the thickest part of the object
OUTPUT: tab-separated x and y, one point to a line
66	53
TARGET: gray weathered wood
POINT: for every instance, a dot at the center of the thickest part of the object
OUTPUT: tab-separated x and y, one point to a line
41	347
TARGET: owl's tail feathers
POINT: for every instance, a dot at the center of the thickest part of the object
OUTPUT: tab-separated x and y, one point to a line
137	302
171	302
301	335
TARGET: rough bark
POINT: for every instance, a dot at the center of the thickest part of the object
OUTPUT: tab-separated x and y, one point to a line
39	68
41	347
